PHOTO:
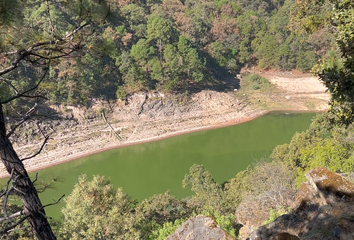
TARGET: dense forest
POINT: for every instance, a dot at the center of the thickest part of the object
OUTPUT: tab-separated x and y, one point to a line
173	45
166	45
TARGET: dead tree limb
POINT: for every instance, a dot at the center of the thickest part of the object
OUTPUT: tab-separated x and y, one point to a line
38	152
112	129
142	104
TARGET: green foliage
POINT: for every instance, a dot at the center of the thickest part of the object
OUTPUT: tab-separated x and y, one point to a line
326	143
134	14
305	60
141	52
159	29
336	69
95	209
235	188
256	78
310	15
208	193
255	86
9	12
329	153
273	215
161	208
258	81
120	93
164	45
224	221
201	181
167	229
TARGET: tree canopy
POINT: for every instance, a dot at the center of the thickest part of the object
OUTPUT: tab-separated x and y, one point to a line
167	45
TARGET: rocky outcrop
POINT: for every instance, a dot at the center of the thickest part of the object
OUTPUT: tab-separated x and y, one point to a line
198	228
324	210
253	213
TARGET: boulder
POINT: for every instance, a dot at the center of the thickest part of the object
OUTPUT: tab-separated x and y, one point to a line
198	228
323	210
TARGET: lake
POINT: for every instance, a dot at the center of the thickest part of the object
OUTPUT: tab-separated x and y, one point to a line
146	169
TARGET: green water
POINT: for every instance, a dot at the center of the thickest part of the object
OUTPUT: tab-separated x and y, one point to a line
150	168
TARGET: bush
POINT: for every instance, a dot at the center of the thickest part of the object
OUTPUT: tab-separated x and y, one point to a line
95	209
224	221
256	78
121	93
167	229
274	215
255	86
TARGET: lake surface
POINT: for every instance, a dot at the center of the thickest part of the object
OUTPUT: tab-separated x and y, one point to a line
150	168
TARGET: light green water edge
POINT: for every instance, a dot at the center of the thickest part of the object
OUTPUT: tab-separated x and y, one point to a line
146	169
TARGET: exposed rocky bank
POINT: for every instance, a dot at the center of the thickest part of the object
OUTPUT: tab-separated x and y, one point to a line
145	116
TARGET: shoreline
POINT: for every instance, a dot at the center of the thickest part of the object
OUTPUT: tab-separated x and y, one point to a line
163	136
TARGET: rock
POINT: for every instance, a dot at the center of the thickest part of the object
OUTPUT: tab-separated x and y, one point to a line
345	229
198	228
251	215
323	210
330	186
284	236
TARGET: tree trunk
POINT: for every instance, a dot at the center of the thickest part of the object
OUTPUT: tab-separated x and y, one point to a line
24	187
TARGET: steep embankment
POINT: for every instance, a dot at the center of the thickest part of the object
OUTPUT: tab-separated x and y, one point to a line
78	131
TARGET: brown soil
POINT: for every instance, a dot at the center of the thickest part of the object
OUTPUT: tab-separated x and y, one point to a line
151	116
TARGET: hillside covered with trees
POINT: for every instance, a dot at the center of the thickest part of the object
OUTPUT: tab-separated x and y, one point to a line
166	45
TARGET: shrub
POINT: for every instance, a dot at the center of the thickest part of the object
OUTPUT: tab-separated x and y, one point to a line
224	221
274	215
256	78
121	93
255	86
167	229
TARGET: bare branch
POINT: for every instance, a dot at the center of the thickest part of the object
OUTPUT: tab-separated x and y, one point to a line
14	63
109	125
27	91
34	96
54	203
7	184
9	53
17	214
13	129
58	56
18	190
50	20
40	150
35	180
45	216
25	118
6	229
10	84
5	201
67	36
24	53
